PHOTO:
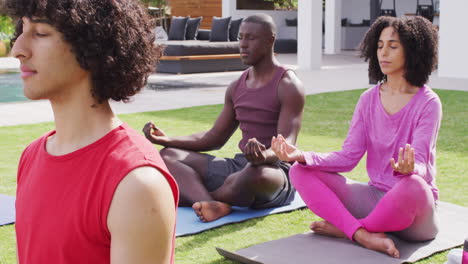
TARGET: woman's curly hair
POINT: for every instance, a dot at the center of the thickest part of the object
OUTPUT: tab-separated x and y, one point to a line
112	39
419	39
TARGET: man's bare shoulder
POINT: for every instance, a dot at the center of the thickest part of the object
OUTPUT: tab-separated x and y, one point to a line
141	218
145	178
290	84
143	187
232	86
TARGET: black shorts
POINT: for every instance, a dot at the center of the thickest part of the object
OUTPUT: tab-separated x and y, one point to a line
220	168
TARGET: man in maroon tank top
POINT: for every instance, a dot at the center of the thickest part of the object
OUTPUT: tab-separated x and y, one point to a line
93	190
266	100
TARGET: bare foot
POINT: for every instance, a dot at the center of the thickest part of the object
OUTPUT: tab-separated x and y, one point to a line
209	211
376	241
325	228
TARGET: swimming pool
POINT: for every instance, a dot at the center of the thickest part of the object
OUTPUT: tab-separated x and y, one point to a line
11	88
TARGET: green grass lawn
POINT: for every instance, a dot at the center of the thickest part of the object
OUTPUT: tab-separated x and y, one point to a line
325	125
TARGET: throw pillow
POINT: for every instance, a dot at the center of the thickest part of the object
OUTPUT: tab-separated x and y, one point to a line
160	33
220	29
178	28
192	28
291	22
234	29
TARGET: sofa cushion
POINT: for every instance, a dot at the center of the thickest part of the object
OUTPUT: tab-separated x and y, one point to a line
160	33
203	34
220	29
192	28
178	28
285	46
284	32
291	22
198	47
234	29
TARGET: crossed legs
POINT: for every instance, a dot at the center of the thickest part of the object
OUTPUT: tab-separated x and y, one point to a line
253	184
362	213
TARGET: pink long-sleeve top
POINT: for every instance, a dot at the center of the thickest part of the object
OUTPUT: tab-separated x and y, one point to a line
373	130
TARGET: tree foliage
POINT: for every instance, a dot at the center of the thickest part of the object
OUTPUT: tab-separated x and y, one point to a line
6	27
285	4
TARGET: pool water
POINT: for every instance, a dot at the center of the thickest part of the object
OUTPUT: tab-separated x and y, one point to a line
11	88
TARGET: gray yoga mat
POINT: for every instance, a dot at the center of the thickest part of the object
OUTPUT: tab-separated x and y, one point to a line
313	248
7	209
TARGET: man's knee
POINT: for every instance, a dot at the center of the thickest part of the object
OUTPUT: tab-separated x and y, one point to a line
264	176
170	154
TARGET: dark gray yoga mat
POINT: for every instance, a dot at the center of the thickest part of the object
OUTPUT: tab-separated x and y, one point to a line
313	248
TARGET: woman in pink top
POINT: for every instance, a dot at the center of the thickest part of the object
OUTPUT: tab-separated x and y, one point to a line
396	123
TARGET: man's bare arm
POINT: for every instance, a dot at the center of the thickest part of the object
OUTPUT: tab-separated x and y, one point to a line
291	95
141	219
214	138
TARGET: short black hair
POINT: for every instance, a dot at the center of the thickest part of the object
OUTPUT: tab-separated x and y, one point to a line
263	19
111	39
419	39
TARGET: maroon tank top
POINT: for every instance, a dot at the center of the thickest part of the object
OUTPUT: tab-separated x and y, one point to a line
257	110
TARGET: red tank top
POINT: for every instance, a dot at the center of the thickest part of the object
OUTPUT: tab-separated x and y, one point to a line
62	201
257	110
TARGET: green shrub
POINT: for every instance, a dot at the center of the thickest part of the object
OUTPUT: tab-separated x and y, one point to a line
155	3
6	27
6	33
285	4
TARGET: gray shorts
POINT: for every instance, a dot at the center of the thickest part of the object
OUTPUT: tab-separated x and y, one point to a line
220	168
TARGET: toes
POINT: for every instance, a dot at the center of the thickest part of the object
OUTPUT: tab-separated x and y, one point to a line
315	225
394	253
196	206
200	216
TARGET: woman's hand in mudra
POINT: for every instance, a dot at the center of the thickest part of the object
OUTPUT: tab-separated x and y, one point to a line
286	151
405	163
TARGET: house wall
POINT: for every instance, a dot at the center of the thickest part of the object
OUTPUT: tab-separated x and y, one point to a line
196	8
357	10
230	9
452	40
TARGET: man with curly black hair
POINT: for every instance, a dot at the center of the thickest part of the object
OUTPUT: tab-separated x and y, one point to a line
267	99
93	190
396	123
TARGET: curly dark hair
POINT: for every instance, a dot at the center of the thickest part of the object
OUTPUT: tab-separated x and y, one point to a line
112	39
419	39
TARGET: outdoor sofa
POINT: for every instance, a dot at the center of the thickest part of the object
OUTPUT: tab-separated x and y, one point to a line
204	50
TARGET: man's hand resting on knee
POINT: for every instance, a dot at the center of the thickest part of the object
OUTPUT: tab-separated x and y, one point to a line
257	154
154	134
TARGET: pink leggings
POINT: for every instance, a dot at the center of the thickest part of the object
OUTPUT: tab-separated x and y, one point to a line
408	209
